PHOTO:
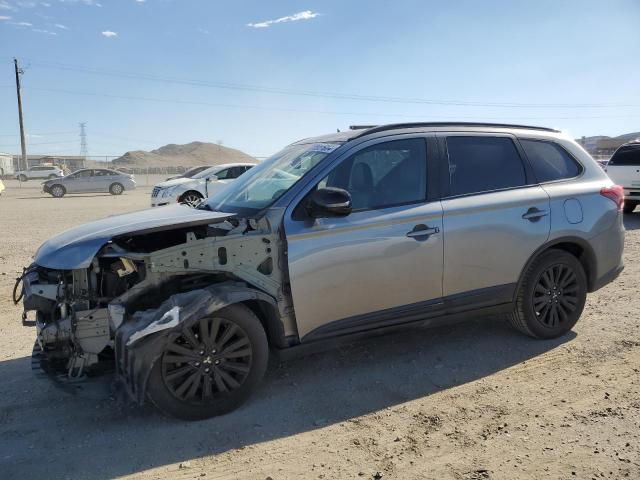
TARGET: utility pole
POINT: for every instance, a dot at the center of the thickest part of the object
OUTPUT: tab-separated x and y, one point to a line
23	145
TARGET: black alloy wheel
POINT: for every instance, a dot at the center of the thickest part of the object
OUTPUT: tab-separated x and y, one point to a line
555	297
550	295
211	366
209	358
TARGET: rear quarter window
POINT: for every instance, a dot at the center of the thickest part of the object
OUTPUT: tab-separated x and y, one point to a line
550	161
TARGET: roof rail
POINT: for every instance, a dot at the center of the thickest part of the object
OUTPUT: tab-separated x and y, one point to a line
395	126
361	127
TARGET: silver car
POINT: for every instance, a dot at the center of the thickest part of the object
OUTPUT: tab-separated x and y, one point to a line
334	236
90	180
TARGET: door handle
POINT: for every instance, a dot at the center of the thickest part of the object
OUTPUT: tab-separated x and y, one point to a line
533	214
422	231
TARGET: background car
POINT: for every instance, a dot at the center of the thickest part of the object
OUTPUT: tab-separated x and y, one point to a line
624	169
191	172
91	180
41	171
191	191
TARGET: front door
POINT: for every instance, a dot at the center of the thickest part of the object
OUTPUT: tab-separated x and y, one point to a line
495	217
384	260
79	181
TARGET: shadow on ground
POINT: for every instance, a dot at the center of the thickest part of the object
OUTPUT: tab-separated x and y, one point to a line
632	220
86	435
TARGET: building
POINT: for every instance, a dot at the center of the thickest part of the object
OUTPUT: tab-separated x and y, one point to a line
68	163
6	165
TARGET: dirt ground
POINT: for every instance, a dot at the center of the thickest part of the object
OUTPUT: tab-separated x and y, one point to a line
472	401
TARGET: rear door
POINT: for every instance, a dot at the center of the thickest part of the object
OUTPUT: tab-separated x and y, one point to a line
102	179
495	216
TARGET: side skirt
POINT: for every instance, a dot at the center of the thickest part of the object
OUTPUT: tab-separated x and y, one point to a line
485	301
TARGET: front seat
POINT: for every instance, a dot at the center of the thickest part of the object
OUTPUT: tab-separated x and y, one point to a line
361	188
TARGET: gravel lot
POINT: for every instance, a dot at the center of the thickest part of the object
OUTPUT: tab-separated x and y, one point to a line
471	401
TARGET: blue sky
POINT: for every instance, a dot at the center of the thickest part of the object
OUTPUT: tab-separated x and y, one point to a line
257	75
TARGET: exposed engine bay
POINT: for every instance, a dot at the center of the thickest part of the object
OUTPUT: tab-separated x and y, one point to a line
140	285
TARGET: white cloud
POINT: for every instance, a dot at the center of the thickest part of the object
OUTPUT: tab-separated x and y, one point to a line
141	1
305	15
6	5
48	32
4	17
109	33
23	24
60	26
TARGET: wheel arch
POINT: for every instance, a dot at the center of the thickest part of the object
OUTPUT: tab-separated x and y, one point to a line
140	340
183	194
576	246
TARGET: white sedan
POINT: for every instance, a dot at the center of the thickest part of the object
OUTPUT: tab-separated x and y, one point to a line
192	191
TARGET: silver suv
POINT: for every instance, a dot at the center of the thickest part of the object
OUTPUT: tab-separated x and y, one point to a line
333	237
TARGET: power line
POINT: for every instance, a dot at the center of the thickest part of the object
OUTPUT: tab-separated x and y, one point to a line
319	94
323	112
38	134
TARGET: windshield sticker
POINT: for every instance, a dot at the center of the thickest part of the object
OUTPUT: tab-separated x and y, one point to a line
323	147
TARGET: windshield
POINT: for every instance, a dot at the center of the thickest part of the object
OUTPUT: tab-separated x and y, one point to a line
268	181
193	171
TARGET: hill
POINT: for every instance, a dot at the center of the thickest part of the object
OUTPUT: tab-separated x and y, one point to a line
188	155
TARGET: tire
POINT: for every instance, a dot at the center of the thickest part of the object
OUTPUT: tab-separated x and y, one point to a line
22	178
116	189
542	312
57	191
191	198
629	206
201	388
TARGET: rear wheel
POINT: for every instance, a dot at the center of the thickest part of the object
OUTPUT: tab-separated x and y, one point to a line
192	199
57	191
551	295
211	367
116	189
629	206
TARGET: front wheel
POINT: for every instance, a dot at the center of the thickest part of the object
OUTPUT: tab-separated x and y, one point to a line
629	206
116	189
57	191
193	199
551	295
211	367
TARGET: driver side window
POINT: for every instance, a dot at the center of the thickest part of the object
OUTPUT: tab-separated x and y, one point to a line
383	175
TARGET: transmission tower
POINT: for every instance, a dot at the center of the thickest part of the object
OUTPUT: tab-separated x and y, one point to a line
84	150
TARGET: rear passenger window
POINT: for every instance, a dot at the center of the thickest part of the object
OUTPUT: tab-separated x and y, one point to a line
483	164
550	161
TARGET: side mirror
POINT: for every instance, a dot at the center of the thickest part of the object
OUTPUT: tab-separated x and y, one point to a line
212	178
329	202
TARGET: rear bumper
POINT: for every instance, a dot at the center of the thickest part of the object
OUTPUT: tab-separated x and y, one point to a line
608	248
607	278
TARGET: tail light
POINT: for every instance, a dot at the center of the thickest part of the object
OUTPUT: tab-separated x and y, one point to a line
615	193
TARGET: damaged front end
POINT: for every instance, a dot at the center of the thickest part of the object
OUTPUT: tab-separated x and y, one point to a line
107	296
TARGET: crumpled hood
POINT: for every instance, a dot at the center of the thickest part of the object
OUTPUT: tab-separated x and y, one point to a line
179	181
76	247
